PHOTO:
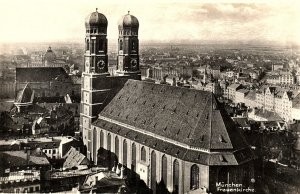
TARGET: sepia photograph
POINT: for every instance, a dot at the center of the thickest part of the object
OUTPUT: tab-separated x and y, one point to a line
150	97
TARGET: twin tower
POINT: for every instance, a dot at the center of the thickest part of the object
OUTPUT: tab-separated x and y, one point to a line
96	60
98	86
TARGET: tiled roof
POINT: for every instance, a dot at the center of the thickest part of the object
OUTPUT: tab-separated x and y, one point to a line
44	143
234	86
251	95
190	117
269	115
20	158
242	91
241	121
296	101
73	158
39	74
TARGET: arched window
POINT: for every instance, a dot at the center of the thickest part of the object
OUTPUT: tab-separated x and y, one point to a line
175	176
194	177
133	157
101	139
117	147
108	141
121	45
101	45
164	169
153	170
88	45
93	46
143	154
125	152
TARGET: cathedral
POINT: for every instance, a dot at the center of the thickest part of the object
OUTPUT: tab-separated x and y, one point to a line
181	138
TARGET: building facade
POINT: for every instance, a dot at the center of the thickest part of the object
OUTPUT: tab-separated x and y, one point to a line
148	131
171	137
98	86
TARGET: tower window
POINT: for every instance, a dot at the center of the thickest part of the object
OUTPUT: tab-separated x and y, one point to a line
88	45
101	46
121	45
93	46
133	45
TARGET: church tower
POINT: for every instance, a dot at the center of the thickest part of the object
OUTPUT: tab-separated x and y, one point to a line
128	47
94	77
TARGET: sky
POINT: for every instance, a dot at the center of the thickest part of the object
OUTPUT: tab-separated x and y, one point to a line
160	20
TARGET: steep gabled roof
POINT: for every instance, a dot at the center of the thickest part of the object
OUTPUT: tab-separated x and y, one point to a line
190	117
74	158
40	74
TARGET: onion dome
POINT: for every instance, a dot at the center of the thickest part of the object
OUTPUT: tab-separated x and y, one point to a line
128	21
96	19
49	55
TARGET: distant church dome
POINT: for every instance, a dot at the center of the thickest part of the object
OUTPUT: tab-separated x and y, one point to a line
96	19
128	21
50	55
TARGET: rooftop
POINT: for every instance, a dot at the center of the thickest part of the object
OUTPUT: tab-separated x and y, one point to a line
179	115
39	74
20	158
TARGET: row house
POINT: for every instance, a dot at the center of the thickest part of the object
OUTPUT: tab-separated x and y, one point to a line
232	91
282	78
279	100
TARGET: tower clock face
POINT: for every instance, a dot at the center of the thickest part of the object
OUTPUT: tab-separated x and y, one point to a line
133	63
101	64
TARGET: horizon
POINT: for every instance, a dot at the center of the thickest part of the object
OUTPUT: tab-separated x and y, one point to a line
163	22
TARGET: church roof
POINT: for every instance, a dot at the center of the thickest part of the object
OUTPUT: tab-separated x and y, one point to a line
192	118
39	74
49	55
128	21
25	95
96	19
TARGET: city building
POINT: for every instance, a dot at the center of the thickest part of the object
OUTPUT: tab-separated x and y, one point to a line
232	91
22	171
139	125
281	78
46	81
98	86
240	95
48	59
7	88
280	100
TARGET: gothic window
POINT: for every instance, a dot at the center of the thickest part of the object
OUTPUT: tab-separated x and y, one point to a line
143	154
125	152
133	45
164	169
175	176
121	45
108	141
153	170
88	45
194	177
117	146
101	139
133	156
